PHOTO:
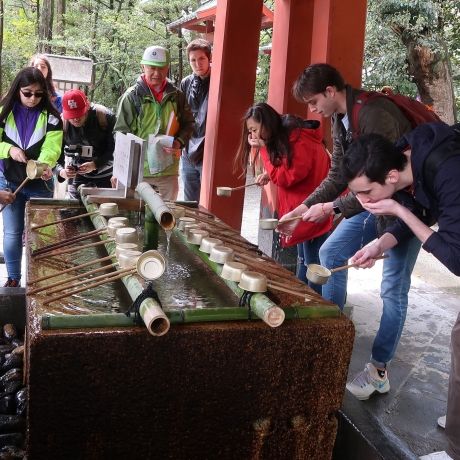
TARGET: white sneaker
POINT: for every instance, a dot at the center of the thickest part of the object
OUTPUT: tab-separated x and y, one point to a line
437	456
368	382
442	421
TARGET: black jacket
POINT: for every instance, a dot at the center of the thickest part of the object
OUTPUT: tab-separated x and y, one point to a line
99	137
196	90
443	201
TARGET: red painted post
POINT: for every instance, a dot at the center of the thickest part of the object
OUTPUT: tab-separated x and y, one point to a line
236	47
338	36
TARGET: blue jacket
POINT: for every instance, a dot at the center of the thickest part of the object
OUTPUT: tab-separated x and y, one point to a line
443	203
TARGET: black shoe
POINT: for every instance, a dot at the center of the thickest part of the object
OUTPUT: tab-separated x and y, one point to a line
11	283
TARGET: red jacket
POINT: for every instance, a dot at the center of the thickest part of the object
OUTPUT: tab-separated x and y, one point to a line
309	166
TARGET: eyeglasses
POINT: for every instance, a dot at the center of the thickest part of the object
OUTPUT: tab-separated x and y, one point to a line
29	94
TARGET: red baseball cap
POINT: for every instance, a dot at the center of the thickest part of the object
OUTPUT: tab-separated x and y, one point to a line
74	104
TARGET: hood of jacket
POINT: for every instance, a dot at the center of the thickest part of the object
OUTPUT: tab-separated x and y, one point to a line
423	140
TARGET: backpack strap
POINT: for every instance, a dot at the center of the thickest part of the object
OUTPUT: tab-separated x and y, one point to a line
359	103
101	114
65	124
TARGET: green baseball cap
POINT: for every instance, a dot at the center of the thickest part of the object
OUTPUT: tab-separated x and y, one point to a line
156	56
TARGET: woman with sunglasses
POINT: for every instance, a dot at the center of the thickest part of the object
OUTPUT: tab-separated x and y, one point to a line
40	62
30	129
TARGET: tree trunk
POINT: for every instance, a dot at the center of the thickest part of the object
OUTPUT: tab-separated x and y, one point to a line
181	63
45	30
60	21
433	78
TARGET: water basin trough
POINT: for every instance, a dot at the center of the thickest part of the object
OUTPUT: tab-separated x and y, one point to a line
216	382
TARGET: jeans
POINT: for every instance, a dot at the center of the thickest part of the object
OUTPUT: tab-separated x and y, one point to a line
191	178
13	220
308	253
349	236
453	396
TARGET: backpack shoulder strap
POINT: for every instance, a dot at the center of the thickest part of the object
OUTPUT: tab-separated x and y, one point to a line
360	101
64	124
101	114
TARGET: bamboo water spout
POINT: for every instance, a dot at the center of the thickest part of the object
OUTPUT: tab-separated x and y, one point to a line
162	213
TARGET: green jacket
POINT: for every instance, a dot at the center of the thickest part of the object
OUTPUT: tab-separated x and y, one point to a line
44	146
139	113
379	116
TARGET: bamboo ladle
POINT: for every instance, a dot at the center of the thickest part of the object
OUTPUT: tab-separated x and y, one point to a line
105	209
66	242
69	270
34	170
143	268
74	249
227	191
257	282
68	283
320	275
271	224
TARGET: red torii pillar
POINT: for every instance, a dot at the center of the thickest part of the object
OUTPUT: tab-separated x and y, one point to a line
231	93
307	31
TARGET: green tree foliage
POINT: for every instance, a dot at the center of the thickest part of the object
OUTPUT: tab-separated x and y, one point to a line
18	41
395	27
113	33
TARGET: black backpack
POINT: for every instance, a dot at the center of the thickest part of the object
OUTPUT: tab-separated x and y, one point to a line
438	156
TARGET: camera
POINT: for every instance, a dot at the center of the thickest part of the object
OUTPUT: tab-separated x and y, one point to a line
78	154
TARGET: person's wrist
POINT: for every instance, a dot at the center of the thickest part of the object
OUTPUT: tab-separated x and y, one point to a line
180	142
327	208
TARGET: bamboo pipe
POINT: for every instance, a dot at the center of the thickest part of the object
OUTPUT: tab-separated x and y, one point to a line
154	318
78	248
261	305
180	316
162	213
62	243
21	186
109	277
69	280
71	269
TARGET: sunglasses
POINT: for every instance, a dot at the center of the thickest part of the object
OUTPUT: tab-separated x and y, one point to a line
29	94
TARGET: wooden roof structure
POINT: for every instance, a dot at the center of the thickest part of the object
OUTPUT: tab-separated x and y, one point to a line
202	20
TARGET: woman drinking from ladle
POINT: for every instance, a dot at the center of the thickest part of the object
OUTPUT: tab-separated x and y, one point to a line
296	161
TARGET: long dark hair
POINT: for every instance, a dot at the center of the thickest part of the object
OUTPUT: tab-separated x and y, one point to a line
49	76
277	130
25	77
